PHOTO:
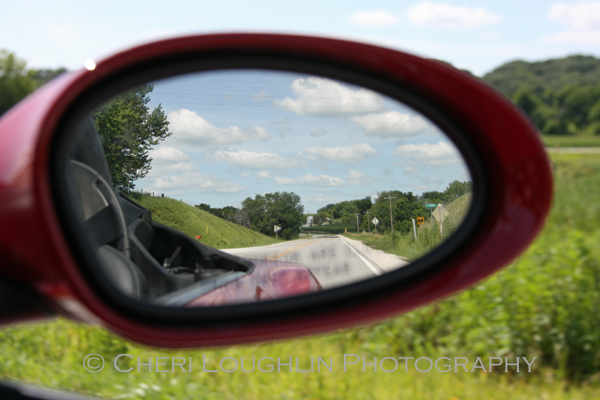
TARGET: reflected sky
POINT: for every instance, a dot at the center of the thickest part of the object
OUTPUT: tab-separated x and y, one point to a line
239	133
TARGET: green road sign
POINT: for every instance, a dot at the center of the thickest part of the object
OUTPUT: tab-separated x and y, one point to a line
431	205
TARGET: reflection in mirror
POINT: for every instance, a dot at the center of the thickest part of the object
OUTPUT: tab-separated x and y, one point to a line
304	184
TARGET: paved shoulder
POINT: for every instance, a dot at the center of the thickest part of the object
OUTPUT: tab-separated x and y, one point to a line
386	261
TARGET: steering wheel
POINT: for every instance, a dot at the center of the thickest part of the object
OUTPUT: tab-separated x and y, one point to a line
95	195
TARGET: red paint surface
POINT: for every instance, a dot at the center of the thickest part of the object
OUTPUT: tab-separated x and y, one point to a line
269	280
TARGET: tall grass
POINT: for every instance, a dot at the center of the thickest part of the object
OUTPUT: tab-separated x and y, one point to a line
429	235
545	305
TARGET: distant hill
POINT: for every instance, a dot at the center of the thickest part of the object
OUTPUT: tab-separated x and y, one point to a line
576	70
215	231
560	96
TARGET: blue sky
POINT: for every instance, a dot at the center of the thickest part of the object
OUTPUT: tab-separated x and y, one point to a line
241	133
476	35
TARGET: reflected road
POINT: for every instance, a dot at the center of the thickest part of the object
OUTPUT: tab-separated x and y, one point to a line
333	260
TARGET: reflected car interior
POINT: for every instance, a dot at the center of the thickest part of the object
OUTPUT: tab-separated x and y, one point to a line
152	262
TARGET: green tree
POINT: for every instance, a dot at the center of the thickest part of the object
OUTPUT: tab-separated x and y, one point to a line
15	80
280	208
129	129
203	206
456	189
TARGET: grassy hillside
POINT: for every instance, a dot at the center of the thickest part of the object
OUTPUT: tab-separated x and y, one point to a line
215	231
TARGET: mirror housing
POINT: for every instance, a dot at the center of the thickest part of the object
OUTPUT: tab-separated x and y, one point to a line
41	251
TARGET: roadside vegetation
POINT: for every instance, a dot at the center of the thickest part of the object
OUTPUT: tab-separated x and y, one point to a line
357	215
429	235
214	231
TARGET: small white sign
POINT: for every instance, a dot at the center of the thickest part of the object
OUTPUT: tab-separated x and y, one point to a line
276	228
375	221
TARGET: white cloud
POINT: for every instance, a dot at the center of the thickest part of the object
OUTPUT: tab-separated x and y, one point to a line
195	181
447	16
354	153
255	160
317	131
244	174
391	124
429	154
582	18
168	154
162	169
179	167
190	128
263	175
373	18
311	180
321	96
359	178
355	175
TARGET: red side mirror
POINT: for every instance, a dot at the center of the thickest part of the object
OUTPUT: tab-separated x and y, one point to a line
48	252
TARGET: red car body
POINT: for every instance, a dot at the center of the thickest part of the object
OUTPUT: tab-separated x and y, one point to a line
269	280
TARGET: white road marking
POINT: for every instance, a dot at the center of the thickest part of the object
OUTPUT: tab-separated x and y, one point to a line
375	270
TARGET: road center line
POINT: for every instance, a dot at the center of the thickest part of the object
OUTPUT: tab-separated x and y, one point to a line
288	251
375	270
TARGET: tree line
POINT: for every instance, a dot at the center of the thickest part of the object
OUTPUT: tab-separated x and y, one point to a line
405	206
263	213
561	96
17	81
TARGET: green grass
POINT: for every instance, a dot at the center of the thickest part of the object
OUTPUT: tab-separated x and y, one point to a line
215	231
545	305
429	235
570	141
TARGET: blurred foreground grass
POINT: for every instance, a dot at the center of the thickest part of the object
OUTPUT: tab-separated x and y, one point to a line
545	305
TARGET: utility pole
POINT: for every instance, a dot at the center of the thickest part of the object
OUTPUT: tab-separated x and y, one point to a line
356	222
391	218
368	220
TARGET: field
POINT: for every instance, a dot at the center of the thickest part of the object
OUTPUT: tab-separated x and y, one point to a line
571	141
545	305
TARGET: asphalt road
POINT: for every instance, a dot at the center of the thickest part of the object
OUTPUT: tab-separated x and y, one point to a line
331	259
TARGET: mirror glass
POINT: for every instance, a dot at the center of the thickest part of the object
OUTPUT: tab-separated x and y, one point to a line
236	186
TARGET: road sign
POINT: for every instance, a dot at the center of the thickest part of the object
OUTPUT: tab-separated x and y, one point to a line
375	221
276	228
440	213
430	205
420	220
